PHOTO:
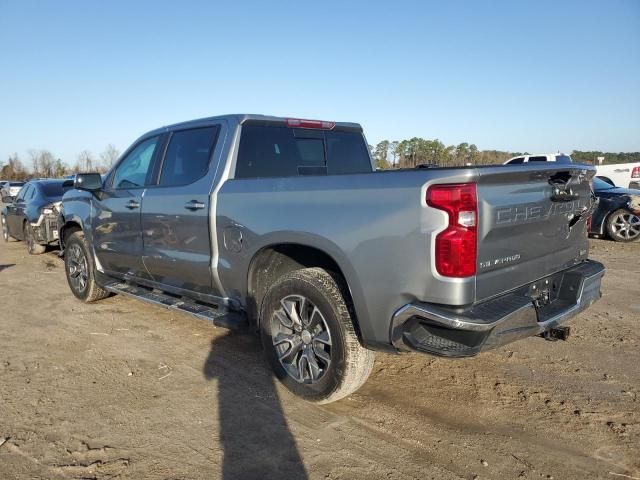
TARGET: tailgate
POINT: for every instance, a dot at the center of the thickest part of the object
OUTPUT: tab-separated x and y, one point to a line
532	223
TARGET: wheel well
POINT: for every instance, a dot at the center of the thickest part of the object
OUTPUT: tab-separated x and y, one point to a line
272	262
68	229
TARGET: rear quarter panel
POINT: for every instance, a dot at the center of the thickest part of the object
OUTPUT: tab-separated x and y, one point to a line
375	226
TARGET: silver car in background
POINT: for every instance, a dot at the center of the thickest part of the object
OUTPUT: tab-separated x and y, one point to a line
10	188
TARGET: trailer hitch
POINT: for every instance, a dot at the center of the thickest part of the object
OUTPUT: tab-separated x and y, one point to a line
557	333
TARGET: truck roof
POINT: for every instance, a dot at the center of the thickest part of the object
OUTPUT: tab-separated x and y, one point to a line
242	118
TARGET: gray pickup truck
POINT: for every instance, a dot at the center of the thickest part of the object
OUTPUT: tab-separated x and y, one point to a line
284	227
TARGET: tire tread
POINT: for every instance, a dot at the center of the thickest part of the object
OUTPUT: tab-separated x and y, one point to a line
94	291
358	361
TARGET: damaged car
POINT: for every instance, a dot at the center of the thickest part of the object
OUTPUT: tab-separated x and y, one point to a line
618	212
32	216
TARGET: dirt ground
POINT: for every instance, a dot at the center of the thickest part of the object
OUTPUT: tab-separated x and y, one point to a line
122	389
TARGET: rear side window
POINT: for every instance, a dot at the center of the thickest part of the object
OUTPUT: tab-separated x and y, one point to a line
22	195
271	151
538	159
516	161
188	155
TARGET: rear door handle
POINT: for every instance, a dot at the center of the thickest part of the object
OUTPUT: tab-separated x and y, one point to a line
194	205
132	205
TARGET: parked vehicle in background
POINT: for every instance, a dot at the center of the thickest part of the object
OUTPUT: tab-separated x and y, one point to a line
618	212
32	216
10	188
540	157
283	225
625	175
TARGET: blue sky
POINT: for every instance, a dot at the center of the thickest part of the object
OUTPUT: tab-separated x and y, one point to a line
510	75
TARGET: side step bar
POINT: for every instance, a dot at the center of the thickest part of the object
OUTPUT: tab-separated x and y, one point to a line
221	317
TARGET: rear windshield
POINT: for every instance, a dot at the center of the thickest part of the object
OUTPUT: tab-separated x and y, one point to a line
16	184
51	189
601	184
271	151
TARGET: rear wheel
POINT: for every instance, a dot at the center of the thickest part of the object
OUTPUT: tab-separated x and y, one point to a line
5	229
79	268
33	247
623	226
309	337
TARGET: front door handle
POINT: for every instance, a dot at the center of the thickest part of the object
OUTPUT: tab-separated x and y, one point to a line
194	205
132	205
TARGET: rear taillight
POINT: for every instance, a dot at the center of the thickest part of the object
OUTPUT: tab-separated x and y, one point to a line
635	173
456	246
317	124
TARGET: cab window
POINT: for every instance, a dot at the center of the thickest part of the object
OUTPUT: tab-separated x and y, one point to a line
188	155
132	170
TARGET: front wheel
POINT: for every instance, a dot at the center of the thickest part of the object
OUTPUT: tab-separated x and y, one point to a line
309	338
5	229
623	226
79	269
33	247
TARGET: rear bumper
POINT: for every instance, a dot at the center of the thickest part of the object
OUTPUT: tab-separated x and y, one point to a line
529	310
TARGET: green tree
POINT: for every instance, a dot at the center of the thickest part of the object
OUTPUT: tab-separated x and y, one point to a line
473	155
380	154
393	150
59	169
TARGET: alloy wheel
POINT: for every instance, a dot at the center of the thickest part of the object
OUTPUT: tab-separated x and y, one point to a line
626	226
77	268
302	339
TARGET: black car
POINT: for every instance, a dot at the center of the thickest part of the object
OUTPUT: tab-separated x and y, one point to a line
33	215
618	213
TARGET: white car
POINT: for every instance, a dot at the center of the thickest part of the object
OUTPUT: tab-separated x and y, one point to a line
540	157
10	188
624	175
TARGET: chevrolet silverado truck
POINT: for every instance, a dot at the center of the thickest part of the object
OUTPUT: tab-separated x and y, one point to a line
284	227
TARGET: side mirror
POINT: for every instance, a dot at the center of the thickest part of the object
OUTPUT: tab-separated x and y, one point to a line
91	182
8	199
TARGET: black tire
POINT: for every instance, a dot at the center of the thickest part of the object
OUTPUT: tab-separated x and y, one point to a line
79	269
623	226
349	363
5	229
33	247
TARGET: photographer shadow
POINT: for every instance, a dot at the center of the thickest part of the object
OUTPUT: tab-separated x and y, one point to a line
253	431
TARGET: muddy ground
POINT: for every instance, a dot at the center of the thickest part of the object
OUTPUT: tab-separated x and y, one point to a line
122	389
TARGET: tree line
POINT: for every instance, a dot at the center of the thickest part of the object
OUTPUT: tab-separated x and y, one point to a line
417	151
44	164
609	158
408	153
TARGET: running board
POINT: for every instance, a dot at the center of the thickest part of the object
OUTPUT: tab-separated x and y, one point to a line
221	317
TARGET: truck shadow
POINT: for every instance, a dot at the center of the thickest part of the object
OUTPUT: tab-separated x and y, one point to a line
253	431
4	267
